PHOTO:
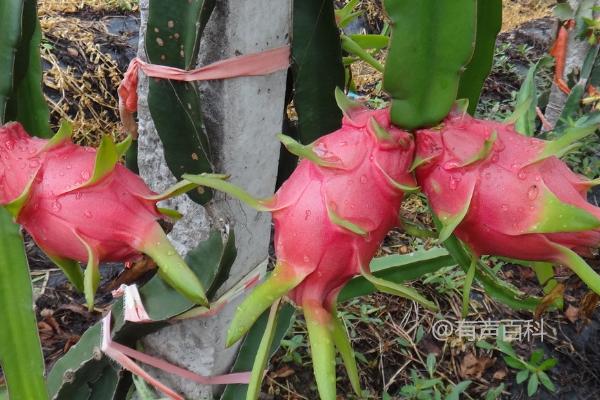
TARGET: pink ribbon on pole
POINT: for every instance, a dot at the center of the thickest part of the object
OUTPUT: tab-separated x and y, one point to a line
124	355
255	64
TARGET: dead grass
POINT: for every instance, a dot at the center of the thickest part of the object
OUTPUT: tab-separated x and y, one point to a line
516	12
71	6
81	78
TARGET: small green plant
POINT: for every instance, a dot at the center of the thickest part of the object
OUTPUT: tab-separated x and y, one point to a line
532	370
291	347
431	387
495	392
445	280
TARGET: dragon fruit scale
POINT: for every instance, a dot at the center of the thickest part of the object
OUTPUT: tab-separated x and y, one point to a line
509	195
330	217
79	204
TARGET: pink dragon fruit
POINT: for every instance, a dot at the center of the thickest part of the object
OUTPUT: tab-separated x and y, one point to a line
330	217
508	195
78	204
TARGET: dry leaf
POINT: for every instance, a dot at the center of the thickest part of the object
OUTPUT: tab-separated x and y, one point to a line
588	305
473	367
556	293
499	375
283	373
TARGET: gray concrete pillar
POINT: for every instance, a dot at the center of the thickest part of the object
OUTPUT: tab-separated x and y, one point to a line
243	115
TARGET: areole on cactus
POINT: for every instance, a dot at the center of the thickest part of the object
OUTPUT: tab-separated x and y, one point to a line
330	217
79	204
509	195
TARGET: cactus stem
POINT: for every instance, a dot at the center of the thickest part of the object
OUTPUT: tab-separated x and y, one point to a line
396	289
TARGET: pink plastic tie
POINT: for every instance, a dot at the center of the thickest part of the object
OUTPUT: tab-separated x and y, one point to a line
255	64
123	355
132	302
136	312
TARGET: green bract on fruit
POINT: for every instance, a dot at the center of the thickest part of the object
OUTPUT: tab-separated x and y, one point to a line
79	204
509	195
330	218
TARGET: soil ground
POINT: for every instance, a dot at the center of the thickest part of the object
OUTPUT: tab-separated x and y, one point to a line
86	49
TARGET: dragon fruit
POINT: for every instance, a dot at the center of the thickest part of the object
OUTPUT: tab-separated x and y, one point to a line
509	195
330	217
78	204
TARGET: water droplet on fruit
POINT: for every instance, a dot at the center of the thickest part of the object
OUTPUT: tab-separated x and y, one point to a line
34	163
454	182
10	145
306	215
504	207
85	175
371	157
56	206
450	165
522	175
350	182
495	158
344	143
320	149
514	166
363	179
61	173
88	214
306	259
533	192
69	166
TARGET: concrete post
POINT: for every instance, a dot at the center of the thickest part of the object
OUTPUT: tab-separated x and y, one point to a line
243	115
